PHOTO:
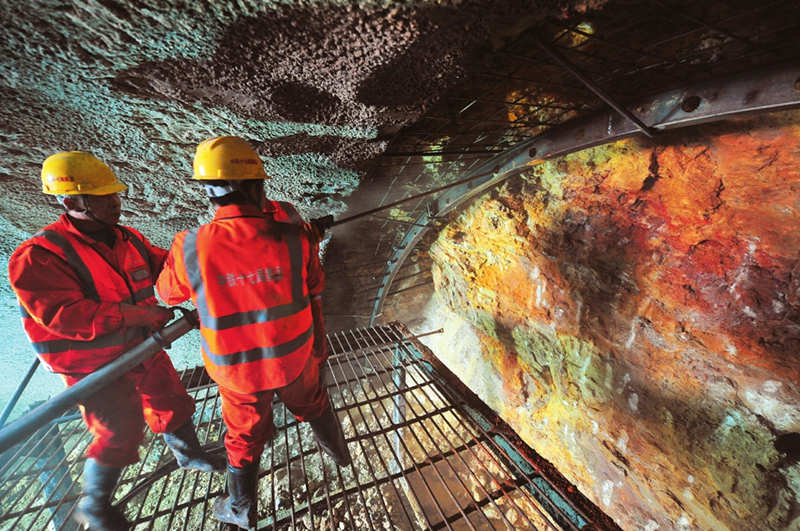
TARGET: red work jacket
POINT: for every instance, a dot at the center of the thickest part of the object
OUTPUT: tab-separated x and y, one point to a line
250	278
285	212
69	287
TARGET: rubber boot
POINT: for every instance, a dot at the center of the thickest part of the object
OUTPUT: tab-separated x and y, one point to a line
95	507
240	506
329	434
188	452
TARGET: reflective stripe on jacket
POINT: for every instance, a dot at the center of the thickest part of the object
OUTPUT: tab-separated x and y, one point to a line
250	279
284	212
78	279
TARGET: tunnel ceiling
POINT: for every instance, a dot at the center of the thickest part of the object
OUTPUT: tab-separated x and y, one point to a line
353	105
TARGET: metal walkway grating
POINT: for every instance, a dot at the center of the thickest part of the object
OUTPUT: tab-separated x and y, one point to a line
423	459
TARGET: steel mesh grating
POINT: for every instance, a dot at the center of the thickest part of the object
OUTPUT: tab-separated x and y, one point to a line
423	459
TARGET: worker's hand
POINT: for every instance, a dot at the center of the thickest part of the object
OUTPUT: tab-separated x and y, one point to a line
322	224
150	317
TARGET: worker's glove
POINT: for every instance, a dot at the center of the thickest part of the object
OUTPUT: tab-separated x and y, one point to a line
322	224
150	317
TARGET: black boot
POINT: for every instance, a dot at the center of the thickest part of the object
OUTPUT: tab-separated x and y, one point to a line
240	506
329	434
188	452
95	507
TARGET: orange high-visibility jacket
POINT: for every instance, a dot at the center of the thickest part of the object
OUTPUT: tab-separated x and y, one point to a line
284	212
69	287
251	279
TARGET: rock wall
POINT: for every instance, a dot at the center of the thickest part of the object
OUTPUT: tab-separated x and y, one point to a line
632	311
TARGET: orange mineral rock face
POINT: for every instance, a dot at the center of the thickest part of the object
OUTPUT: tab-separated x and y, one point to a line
640	305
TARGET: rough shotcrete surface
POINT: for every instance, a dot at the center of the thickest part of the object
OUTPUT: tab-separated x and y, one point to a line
317	86
639	314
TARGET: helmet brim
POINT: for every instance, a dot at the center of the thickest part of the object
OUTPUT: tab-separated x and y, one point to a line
102	190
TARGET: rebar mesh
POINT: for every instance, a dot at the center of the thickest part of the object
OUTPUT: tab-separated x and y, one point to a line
629	48
422	459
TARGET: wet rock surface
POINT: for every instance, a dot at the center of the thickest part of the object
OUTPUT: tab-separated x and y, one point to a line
636	307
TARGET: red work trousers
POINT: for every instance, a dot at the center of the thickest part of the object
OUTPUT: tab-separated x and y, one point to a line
115	415
248	416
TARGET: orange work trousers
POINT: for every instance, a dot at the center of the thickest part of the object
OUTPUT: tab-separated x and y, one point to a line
151	392
249	416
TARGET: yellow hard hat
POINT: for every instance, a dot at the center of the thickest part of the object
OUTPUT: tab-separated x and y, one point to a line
76	173
228	158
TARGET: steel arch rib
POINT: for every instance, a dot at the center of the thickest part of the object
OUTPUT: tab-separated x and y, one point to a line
776	88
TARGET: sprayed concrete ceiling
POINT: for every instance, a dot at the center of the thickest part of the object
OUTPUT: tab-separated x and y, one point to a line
316	86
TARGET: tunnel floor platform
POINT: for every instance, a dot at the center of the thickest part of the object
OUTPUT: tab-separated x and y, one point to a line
424	457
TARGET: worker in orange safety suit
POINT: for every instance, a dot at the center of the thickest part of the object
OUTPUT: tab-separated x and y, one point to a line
86	291
256	284
285	212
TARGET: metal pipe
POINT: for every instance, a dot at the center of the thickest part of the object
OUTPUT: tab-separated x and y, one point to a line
589	82
29	423
20	388
397	221
407	199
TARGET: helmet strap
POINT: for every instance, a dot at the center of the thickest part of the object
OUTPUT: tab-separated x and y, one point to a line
237	185
85	206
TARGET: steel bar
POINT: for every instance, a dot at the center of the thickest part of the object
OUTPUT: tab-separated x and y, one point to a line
435	162
440	153
589	82
423	284
407	199
703	23
515	103
27	425
12	402
402	222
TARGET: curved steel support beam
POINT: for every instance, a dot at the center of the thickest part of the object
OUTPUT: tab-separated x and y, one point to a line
771	89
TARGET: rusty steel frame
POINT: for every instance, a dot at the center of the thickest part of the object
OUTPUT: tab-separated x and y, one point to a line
766	90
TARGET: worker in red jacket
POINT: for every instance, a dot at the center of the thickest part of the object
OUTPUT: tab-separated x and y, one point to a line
285	212
256	284
86	291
